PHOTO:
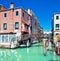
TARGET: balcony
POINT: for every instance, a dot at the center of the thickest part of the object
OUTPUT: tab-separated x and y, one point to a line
26	22
25	28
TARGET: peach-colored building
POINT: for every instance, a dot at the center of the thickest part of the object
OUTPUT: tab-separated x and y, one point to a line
16	22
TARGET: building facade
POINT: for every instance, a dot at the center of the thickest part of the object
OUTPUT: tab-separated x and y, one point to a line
16	22
13	20
55	26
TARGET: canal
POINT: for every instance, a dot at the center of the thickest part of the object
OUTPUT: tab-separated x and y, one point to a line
33	53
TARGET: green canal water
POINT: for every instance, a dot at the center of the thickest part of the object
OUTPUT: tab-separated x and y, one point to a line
33	53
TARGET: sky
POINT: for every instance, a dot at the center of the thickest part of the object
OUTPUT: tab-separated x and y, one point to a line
43	9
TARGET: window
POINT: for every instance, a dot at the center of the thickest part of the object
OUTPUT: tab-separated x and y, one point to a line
32	28
57	17
35	23
2	38
57	34
0	26
26	26
5	14
6	38
5	26
16	25
23	14
32	21
57	25
17	13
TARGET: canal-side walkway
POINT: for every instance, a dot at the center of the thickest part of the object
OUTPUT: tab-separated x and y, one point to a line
33	53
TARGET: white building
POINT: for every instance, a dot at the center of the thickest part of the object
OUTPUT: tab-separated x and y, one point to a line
56	26
47	33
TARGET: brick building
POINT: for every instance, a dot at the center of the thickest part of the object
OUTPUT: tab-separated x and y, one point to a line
16	21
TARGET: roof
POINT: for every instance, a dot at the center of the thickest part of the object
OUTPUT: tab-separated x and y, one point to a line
56	13
2	6
14	9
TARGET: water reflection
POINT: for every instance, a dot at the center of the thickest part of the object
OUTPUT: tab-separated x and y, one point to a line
54	55
14	54
27	50
9	53
33	53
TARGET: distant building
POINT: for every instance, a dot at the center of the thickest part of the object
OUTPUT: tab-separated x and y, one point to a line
47	33
55	26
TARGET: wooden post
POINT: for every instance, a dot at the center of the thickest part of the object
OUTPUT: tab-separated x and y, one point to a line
28	44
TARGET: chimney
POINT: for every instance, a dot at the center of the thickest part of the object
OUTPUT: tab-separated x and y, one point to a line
29	11
11	5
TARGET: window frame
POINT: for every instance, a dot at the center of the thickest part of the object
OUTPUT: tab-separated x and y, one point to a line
4	26
16	27
5	15
57	17
17	13
57	25
22	14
